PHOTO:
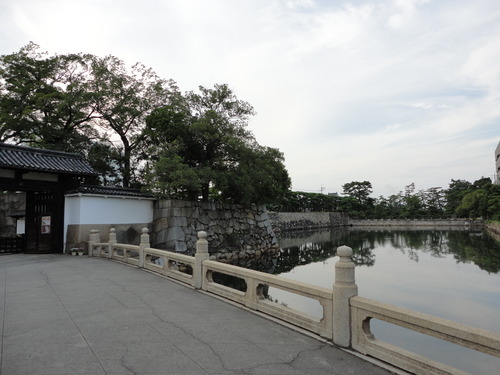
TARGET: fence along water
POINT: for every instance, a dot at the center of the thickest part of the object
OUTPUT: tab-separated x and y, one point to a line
345	319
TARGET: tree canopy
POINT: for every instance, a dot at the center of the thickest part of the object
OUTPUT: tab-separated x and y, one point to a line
137	129
215	155
44	100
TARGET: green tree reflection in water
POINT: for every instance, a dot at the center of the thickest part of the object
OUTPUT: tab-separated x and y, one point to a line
306	247
466	247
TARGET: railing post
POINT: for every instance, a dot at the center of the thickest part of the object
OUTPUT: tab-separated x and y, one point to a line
94	238
144	243
343	289
112	241
199	257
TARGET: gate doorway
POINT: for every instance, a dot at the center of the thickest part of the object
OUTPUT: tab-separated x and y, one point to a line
44	175
44	221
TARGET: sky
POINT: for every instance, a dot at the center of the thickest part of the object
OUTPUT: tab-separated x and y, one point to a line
393	92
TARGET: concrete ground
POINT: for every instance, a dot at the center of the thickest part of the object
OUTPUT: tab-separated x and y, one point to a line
77	315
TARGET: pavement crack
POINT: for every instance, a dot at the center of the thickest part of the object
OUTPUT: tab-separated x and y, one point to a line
250	370
123	361
208	345
296	357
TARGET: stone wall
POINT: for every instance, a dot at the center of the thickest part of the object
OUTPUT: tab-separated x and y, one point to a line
233	230
10	204
462	223
494	229
285	221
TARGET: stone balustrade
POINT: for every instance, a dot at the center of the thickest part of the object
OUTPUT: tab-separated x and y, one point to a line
345	318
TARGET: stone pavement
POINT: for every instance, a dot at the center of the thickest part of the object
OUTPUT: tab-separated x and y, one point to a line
77	315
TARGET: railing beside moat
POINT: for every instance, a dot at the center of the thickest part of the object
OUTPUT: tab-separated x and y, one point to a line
345	319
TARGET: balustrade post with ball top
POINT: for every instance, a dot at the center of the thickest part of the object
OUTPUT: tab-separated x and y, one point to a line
144	243
94	238
343	289
199	257
111	242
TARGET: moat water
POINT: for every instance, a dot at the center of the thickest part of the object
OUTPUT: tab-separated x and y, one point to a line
446	273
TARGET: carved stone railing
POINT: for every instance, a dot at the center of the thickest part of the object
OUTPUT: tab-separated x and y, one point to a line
254	298
363	310
345	318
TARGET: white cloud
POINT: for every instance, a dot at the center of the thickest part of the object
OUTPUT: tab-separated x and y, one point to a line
391	92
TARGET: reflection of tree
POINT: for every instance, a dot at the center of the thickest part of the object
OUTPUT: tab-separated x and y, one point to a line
482	250
312	252
465	247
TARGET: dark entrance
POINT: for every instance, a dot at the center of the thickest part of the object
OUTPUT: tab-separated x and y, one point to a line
44	175
44	221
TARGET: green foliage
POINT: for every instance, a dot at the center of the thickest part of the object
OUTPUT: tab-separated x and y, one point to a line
454	194
106	160
358	190
70	102
44	100
298	201
259	176
482	200
216	156
462	199
124	98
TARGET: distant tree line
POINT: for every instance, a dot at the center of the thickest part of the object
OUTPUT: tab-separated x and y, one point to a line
462	199
137	129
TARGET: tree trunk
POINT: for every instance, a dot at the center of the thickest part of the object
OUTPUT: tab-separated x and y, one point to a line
204	192
127	151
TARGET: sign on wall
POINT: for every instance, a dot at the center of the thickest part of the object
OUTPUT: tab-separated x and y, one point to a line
45	225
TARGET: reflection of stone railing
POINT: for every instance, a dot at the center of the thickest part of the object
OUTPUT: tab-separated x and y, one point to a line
345	318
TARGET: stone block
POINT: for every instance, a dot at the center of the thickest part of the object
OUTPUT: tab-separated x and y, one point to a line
180	247
160	224
161	236
264	216
204	220
177	221
167	203
175	234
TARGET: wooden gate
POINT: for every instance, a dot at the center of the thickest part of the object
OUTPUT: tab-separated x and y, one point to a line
44	221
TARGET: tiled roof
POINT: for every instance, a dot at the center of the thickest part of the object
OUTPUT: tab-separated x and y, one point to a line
34	159
109	191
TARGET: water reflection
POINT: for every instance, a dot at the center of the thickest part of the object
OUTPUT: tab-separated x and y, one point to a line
451	274
447	273
466	247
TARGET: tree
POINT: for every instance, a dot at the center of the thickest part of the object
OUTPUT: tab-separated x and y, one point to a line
103	158
206	132
434	201
472	204
454	195
259	176
124	99
481	200
44	100
358	190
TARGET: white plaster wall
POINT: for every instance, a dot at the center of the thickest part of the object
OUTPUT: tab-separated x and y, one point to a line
91	209
107	210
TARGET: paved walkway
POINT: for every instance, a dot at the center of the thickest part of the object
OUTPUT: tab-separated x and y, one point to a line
77	315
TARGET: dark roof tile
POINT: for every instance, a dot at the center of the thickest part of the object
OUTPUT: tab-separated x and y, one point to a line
34	159
109	190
